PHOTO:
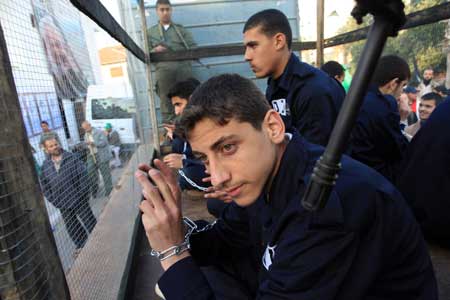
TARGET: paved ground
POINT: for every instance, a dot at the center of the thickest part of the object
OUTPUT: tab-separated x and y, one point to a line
149	270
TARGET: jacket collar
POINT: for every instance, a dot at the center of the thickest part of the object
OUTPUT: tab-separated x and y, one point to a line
290	183
294	67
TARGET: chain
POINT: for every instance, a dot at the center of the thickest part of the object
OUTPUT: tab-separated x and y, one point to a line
192	228
192	183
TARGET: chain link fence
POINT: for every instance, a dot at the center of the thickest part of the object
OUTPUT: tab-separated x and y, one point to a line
85	110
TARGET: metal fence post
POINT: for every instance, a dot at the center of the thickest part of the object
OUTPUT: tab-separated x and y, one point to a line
148	69
320	30
29	264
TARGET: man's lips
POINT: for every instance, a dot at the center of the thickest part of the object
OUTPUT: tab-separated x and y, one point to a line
234	191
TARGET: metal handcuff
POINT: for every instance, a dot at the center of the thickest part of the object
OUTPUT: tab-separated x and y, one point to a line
192	228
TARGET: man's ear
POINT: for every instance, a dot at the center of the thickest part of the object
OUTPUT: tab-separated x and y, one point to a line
274	126
280	41
393	84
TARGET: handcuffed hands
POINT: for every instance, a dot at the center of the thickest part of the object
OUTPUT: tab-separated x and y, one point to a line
161	209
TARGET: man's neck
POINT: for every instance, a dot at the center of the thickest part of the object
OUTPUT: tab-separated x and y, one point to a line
279	156
165	23
281	66
57	157
384	90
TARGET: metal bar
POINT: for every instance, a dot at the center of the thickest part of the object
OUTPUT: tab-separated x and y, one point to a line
98	13
151	99
299	39
423	17
324	176
224	23
320	29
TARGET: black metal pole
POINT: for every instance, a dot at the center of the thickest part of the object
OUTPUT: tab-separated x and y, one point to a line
327	167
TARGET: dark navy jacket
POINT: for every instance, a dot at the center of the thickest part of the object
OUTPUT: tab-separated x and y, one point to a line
193	170
68	186
377	140
365	244
425	175
307	99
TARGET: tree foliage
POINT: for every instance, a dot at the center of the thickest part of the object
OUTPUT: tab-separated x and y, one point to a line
421	46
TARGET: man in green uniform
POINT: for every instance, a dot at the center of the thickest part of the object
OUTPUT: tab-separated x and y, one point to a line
168	36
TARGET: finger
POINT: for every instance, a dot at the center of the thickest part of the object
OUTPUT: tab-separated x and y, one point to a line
163	188
216	194
166	172
150	191
206	179
144	167
171	181
146	207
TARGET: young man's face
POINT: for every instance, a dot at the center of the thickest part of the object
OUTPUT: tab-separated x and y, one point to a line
260	52
178	104
52	147
239	158
164	13
426	107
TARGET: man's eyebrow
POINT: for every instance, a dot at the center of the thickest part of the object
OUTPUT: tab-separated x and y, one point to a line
216	145
221	141
250	43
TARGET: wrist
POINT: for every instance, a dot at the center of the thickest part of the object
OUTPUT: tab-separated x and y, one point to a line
167	263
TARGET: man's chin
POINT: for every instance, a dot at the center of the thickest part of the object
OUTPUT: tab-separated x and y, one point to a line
244	201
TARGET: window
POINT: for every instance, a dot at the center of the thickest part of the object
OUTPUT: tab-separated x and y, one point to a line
116	72
113	108
37	108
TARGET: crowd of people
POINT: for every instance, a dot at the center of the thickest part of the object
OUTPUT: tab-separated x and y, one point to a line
69	180
252	155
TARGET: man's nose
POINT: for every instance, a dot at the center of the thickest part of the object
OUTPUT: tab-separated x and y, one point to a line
247	55
219	174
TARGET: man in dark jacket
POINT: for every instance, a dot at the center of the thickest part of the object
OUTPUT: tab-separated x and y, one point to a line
365	243
64	182
377	139
425	176
306	98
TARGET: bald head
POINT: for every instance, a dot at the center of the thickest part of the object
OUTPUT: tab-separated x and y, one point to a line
86	126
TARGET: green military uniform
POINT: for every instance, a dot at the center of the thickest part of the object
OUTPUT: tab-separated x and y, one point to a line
175	38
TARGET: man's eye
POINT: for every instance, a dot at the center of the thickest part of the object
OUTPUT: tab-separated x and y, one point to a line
228	148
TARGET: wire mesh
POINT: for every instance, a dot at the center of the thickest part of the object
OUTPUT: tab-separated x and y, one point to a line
84	121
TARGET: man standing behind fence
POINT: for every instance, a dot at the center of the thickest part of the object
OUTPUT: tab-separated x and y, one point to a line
98	158
114	142
65	184
168	36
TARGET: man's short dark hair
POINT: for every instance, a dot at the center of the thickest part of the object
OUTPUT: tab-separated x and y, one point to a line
390	67
271	21
333	68
44	122
433	96
222	98
183	89
162	2
49	138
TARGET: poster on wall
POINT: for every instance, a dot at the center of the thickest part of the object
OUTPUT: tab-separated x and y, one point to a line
70	81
